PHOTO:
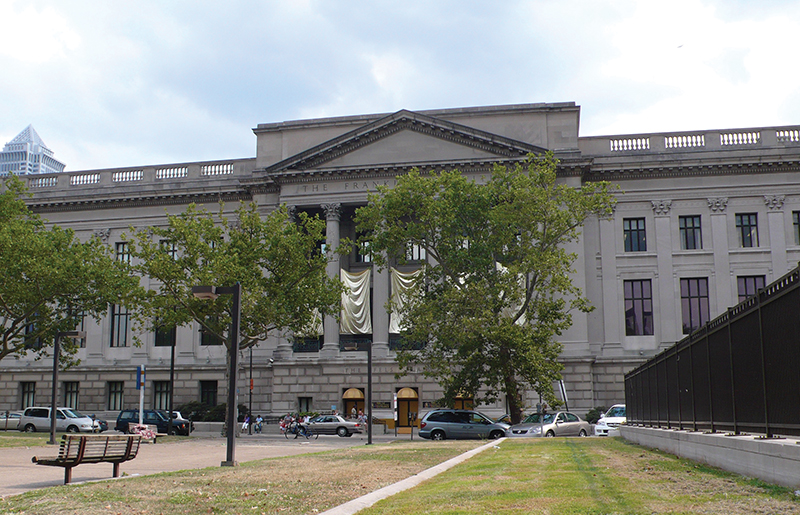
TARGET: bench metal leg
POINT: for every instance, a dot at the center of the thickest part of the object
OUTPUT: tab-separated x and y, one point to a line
67	475
116	469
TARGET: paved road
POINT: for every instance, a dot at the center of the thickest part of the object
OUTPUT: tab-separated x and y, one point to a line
18	474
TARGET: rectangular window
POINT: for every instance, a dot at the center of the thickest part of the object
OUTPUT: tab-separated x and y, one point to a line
416	253
120	317
161	394
748	285
170	248
81	326
209	339
747	228
638	307
208	393
304	404
691	237
115	389
694	303
71	394
634	235
31	341
796	226
165	337
363	254
123	252
28	390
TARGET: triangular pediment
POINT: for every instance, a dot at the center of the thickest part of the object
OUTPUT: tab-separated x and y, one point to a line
405	139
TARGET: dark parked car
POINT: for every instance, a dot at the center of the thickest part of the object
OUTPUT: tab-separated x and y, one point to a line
100	425
130	417
441	424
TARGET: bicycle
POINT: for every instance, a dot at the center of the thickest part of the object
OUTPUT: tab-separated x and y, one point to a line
300	430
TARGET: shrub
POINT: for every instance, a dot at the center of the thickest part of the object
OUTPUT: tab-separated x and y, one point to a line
594	414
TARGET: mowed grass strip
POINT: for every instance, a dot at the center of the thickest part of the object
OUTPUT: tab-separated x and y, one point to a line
587	476
309	483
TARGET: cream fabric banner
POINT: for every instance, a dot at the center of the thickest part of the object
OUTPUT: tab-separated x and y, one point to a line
401	283
356	312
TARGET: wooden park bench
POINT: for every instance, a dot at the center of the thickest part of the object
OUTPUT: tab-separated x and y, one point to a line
77	449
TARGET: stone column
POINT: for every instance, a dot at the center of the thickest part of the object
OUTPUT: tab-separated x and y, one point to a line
333	215
381	282
668	282
719	242
613	316
777	235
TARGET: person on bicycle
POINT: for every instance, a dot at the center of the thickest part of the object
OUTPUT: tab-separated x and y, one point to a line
300	427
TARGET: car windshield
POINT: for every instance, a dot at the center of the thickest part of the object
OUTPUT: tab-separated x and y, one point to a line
534	419
616	411
72	413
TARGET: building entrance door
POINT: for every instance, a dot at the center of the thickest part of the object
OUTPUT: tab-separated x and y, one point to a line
407	407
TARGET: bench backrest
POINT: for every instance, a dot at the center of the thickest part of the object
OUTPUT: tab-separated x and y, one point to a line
92	447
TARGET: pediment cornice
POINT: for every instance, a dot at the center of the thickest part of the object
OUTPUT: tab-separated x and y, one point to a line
314	159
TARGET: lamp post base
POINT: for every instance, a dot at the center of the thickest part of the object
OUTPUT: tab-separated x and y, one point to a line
229	464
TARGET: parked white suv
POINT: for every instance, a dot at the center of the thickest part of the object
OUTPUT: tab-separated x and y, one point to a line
67	419
611	420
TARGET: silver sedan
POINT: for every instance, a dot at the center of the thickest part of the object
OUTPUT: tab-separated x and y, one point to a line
560	423
334	425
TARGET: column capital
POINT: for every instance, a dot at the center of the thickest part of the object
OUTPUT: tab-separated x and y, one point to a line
774	202
333	212
661	207
718	204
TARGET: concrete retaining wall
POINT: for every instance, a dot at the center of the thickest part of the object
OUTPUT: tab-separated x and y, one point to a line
775	461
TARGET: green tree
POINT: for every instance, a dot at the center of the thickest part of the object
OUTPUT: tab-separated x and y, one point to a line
497	290
49	279
276	259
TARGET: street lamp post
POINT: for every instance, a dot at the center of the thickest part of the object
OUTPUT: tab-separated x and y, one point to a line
212	292
250	406
54	398
369	393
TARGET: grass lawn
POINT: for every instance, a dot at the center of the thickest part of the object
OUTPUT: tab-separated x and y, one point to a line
540	476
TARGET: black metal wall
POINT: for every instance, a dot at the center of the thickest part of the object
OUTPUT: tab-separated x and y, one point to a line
738	373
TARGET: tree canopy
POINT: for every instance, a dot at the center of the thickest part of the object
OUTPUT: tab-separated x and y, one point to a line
49	279
496	290
276	259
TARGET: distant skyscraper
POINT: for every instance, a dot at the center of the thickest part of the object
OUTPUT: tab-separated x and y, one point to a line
26	154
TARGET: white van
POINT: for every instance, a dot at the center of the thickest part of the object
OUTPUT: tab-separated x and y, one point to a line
67	419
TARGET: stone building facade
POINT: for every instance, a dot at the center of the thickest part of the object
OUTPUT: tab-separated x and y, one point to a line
704	218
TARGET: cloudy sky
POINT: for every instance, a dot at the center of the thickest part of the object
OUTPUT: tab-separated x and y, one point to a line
117	84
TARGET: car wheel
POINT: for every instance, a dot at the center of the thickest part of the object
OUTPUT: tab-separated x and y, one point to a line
342	431
437	435
583	433
30	428
494	435
72	429
550	434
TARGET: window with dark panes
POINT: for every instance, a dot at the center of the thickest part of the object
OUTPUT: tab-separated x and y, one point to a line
694	303
208	393
747	229
691	236
123	252
120	318
28	391
638	307
748	285
161	394
115	390
71	394
796	226
634	235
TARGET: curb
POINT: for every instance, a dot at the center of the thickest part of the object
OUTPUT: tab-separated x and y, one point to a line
365	501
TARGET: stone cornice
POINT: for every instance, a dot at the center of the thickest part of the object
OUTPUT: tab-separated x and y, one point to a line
667	170
59	205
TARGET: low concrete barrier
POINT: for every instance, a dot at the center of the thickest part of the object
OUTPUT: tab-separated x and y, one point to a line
774	460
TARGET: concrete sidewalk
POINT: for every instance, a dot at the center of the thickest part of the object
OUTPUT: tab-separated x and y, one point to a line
20	475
